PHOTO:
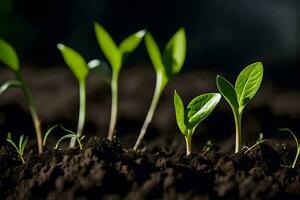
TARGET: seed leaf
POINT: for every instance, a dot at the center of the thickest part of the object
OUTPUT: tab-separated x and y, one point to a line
200	107
154	53
175	52
129	44
248	83
101	68
8	55
108	47
75	62
180	113
228	91
9	84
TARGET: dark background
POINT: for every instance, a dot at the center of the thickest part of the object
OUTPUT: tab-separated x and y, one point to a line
223	37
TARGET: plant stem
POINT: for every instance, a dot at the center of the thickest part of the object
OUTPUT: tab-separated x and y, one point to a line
188	141
296	158
238	130
33	112
82	111
157	93
22	159
114	104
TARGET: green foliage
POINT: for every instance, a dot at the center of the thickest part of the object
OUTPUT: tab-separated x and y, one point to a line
75	62
197	110
238	96
297	145
71	135
165	65
48	133
21	147
9	56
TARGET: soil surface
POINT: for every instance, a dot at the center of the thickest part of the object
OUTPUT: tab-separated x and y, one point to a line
105	170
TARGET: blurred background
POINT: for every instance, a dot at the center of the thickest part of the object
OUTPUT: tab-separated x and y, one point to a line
222	37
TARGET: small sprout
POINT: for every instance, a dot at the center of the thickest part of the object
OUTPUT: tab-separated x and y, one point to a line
297	143
246	86
80	70
208	146
165	65
72	135
9	57
20	148
259	141
197	110
116	56
48	133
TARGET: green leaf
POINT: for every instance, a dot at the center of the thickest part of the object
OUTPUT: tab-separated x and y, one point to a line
248	82
48	133
63	138
154	53
130	43
9	56
75	62
175	52
9	84
108	47
180	113
228	92
200	107
101	68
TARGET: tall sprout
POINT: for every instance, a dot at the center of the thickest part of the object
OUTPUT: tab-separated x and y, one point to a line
9	57
80	70
166	66
116	56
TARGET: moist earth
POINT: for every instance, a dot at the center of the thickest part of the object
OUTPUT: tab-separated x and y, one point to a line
105	170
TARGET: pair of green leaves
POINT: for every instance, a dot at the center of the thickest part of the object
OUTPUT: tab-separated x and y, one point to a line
173	57
114	54
23	141
246	86
197	110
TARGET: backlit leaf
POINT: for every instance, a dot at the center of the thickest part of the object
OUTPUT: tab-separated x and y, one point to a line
180	113
228	92
129	44
8	55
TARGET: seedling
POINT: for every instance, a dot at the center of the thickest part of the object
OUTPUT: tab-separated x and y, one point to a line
72	135
80	70
297	143
116	56
259	141
48	133
246	86
9	57
166	66
197	110
20	148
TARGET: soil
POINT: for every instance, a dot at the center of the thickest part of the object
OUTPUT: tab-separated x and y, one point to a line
105	170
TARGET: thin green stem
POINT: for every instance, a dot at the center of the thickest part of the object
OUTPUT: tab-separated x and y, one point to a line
114	104
238	130
188	141
22	159
33	112
82	111
157	93
296	158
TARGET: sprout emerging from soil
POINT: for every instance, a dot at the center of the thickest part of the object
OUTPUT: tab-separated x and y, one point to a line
297	143
197	110
72	135
166	66
80	70
9	57
238	96
116	56
48	133
20	148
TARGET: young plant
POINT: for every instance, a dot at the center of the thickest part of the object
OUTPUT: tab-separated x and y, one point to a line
197	110
166	66
20	148
238	96
80	70
48	133
72	135
9	57
259	141
116	56
297	143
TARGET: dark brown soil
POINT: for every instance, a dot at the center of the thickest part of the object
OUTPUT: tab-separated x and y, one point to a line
104	170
